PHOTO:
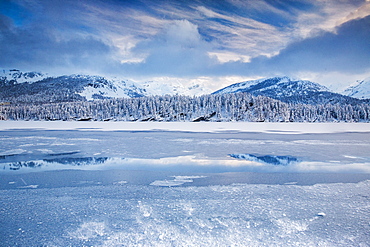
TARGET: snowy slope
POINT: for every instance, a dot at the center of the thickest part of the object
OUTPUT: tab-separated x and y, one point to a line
360	90
240	87
98	87
173	87
102	87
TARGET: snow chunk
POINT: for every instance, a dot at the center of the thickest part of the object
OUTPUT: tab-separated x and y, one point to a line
321	214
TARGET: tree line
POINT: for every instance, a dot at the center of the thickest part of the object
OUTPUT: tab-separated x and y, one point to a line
216	107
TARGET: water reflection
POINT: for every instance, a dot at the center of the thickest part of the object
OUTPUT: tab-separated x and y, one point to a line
268	159
68	161
190	163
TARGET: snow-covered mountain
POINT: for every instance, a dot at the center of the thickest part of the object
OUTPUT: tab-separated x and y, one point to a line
288	90
13	76
361	90
17	86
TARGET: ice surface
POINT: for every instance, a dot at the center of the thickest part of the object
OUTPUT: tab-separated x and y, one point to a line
334	150
128	184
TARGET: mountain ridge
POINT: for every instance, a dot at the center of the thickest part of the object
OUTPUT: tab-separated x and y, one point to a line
36	87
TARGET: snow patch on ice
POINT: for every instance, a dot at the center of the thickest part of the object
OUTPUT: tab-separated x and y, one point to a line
120	182
288	226
31	186
89	230
177	181
350	157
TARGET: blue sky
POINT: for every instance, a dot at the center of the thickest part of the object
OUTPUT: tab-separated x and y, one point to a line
217	42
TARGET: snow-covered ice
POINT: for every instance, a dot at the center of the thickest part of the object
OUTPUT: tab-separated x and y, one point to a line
229	215
167	184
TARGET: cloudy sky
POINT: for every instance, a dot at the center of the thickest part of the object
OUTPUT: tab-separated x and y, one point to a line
215	42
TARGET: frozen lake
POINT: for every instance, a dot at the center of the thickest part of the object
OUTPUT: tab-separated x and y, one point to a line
184	184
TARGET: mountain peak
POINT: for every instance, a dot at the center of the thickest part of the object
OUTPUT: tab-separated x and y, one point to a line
361	90
15	76
281	85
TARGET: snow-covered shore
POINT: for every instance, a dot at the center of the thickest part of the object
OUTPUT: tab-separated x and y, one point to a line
286	128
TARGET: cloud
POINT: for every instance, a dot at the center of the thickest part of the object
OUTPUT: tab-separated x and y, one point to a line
180	50
177	50
161	38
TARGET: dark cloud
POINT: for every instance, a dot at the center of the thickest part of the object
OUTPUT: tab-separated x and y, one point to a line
346	50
